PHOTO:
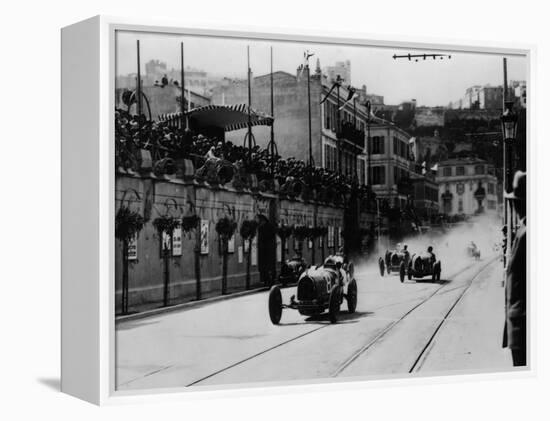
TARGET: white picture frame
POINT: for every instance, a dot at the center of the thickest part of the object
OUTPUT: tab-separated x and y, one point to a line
88	322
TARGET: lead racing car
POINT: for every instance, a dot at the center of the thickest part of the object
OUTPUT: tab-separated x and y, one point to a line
319	289
424	264
396	260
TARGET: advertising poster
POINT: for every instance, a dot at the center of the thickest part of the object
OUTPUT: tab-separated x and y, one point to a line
204	236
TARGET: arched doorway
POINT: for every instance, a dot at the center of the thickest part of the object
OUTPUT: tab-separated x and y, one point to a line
266	250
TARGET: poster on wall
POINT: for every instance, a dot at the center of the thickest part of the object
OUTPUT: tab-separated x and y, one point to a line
165	243
254	252
132	248
231	244
240	254
177	243
279	249
204	236
330	236
339	236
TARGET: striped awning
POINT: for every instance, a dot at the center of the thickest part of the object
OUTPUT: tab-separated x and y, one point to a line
228	117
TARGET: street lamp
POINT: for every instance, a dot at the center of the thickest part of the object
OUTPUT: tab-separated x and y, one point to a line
509	121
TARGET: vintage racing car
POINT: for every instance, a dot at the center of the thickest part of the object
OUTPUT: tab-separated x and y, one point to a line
395	260
422	265
319	289
473	251
291	270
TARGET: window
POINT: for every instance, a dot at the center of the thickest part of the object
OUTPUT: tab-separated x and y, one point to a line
460	171
460	206
480	169
395	146
330	157
378	175
448	171
377	144
361	171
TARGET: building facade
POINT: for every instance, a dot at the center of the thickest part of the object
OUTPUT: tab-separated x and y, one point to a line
291	119
467	186
392	163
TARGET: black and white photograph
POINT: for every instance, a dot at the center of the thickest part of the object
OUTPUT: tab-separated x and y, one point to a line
290	212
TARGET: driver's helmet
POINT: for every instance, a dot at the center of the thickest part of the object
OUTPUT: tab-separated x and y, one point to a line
404	247
430	249
398	246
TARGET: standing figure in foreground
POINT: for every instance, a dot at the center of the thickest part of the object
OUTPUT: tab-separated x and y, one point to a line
515	328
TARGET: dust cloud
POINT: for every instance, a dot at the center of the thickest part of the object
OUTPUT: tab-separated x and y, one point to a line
449	244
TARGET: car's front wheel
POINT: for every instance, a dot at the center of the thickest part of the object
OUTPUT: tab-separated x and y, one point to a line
275	303
334	303
351	297
382	266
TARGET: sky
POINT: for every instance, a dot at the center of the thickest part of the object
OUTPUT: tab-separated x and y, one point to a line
430	82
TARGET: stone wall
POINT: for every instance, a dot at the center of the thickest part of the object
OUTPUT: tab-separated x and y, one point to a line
153	197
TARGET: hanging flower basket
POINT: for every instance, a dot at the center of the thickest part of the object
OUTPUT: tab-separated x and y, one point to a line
248	229
284	231
166	224
226	227
127	223
189	223
318	232
301	232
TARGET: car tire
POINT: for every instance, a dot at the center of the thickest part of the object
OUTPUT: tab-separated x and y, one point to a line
402	271
381	265
334	304
351	297
275	303
437	272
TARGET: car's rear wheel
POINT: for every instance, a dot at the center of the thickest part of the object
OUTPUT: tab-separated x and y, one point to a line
381	265
437	272
402	271
351	297
275	303
334	304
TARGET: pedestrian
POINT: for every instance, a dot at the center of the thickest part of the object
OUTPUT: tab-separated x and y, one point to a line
515	327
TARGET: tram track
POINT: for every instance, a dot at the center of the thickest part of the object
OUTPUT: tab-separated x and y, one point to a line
359	352
348	362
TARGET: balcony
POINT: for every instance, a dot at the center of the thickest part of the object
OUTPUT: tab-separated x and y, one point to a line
353	135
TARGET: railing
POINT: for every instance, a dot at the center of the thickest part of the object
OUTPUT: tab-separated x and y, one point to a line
355	136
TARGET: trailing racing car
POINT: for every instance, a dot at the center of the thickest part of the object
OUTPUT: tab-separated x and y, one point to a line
473	251
319	289
424	264
395	260
291	270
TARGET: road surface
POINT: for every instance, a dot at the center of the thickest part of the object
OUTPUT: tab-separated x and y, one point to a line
398	328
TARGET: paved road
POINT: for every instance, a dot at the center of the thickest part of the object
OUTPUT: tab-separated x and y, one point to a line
392	331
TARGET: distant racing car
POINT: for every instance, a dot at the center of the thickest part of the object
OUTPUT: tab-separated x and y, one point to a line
473	251
291	270
396	260
423	265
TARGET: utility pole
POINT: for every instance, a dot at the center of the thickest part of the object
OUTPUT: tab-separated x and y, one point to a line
182	102
338	131
138	83
309	109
